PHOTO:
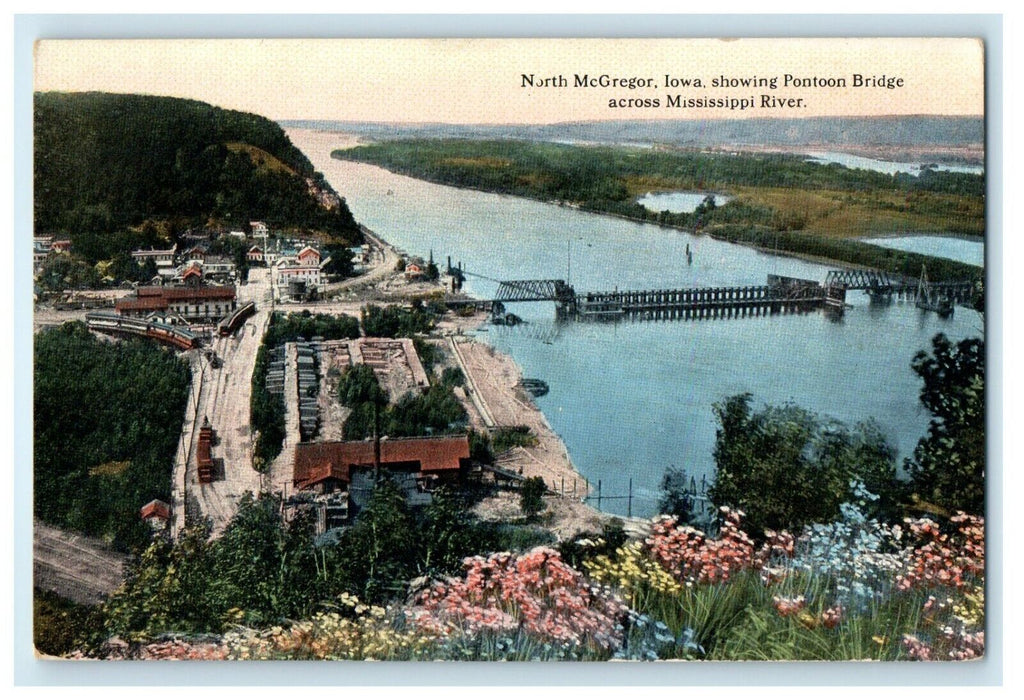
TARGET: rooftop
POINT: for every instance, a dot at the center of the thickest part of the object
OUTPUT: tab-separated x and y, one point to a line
317	461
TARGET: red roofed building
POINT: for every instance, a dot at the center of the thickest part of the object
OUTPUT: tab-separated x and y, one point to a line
327	466
192	276
193	303
156	513
255	255
294	277
308	257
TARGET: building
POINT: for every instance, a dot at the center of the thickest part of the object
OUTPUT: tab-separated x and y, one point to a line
40	249
255	255
195	303
191	256
164	259
259	229
192	275
328	467
219	267
298	276
156	514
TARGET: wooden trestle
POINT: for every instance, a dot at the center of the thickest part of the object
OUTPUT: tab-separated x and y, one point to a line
701	302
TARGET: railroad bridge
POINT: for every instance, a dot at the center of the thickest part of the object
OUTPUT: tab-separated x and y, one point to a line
882	285
780	295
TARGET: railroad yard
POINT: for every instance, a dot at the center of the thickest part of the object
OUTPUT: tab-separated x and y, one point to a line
221	390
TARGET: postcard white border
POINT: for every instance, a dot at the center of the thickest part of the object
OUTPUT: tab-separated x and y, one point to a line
29	671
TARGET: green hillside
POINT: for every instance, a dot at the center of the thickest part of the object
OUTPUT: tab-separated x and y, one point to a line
107	163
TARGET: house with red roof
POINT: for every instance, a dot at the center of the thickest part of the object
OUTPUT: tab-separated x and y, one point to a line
255	255
156	514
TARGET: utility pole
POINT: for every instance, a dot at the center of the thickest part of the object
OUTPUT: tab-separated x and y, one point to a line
376	443
568	261
629	506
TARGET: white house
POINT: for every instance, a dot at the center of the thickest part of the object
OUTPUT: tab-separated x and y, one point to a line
259	229
294	276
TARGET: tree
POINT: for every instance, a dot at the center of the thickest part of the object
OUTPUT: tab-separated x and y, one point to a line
378	554
786	467
675	496
340	261
359	385
531	496
948	466
258	572
61	271
447	533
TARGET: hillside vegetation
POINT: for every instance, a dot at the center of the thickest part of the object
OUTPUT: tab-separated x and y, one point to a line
107	420
816	208
107	163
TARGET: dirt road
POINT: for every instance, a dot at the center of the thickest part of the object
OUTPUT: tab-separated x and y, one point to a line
74	566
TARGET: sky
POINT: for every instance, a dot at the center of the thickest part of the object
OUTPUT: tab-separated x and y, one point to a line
481	81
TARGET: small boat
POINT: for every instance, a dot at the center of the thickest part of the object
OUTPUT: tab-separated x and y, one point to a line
537	387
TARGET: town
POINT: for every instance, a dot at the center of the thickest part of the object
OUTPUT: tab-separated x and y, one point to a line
201	304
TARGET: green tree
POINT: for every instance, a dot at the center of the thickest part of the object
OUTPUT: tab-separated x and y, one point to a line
264	567
785	467
948	466
258	572
93	469
675	495
166	589
358	385
340	261
447	534
531	496
377	554
60	626
61	271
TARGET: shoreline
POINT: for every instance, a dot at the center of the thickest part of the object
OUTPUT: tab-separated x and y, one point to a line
494	398
624	217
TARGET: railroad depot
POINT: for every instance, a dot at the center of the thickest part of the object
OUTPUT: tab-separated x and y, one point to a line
192	302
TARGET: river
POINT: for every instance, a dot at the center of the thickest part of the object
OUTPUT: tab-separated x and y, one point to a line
965	250
886	166
633	398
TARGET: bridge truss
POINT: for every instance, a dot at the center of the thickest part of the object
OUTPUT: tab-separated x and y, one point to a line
534	290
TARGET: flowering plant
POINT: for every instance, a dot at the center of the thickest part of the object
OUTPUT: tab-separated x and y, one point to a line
536	594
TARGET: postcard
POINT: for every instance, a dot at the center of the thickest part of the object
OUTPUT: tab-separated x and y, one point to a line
493	349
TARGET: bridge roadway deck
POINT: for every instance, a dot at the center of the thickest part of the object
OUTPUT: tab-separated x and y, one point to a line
780	295
702	301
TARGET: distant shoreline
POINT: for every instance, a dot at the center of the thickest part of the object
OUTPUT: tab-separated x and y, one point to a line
711	234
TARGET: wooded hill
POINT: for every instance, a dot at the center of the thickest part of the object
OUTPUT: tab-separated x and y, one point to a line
108	162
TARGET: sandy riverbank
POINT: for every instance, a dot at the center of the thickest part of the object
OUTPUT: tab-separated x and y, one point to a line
493	398
495	378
